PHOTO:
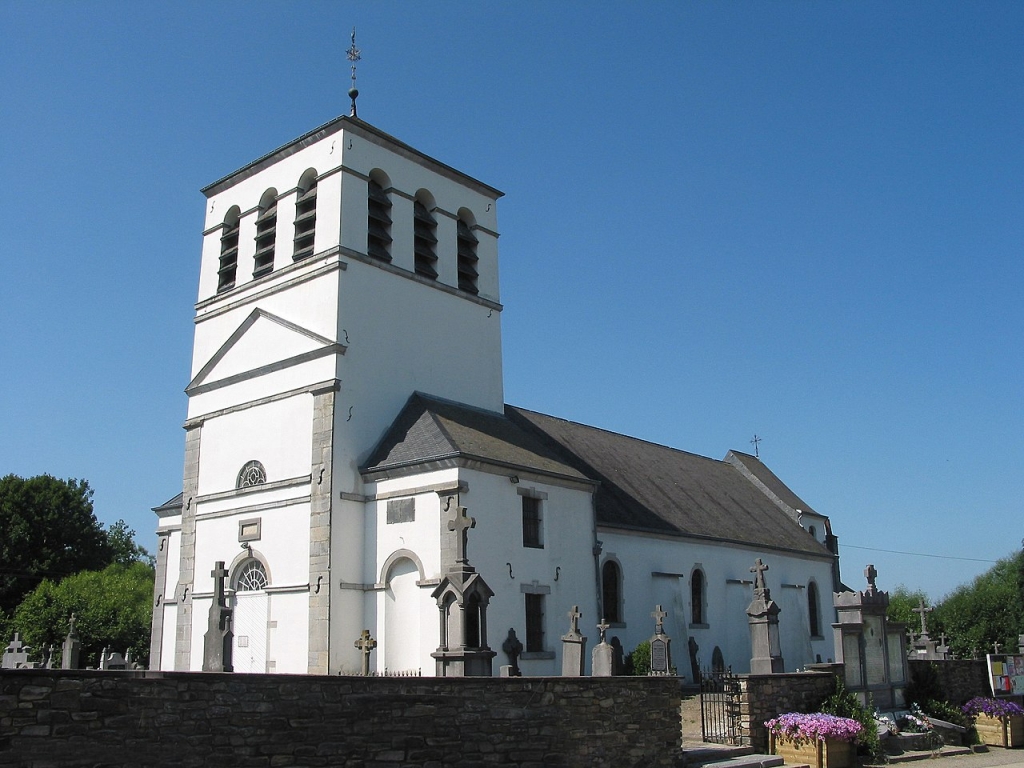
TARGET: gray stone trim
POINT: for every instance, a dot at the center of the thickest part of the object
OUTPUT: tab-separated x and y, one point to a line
250	530
400	193
168	529
440	489
485	230
381	586
234	298
793	586
280	365
744	582
254	508
535	589
321	498
345	496
531	493
478	464
401	554
388	267
307	390
249	490
187	567
667	574
156	636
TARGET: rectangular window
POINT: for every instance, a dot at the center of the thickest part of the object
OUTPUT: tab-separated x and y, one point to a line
534	623
532	523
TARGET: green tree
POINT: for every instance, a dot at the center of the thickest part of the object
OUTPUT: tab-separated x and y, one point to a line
113	609
125	550
49	531
986	611
902	603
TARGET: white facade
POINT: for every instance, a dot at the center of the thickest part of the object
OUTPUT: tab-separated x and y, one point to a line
301	367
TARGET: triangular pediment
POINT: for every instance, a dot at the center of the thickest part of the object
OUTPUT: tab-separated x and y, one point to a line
262	343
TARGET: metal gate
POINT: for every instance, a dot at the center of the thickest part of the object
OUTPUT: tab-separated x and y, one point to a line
720	706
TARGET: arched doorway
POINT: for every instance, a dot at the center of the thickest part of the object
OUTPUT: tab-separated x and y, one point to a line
402	617
250	617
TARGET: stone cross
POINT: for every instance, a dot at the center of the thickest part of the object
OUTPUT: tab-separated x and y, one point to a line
219	573
461	524
871	574
758	571
72	648
512	648
659	618
995	648
365	644
574	620
15	654
922	611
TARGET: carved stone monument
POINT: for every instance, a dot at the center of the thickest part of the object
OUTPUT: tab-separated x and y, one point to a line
763	619
871	649
217	640
72	648
661	650
573	646
462	598
922	647
15	654
602	658
365	644
512	648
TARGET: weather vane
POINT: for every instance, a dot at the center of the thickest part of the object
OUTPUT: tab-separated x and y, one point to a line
353	56
753	442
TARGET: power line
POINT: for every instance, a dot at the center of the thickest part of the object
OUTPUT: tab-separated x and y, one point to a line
919	554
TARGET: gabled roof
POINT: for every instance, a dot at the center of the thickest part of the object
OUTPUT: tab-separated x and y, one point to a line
431	429
655	489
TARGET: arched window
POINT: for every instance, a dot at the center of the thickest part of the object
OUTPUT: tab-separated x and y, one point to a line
611	597
813	609
467	258
252	577
473	623
228	251
266	234
378	219
305	216
697	597
251	474
425	239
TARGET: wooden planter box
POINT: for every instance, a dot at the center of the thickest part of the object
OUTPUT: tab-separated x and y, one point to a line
817	754
1005	732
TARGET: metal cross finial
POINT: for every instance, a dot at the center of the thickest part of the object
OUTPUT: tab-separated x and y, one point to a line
755	443
353	56
659	619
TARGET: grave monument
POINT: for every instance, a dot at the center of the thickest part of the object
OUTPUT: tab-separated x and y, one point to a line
763	619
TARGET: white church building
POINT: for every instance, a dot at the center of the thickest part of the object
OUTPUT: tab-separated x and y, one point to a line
346	407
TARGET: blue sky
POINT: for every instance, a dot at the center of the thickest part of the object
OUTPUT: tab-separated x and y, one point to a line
801	220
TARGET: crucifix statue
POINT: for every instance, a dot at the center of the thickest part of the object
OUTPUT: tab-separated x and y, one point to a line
602	628
758	570
922	611
461	524
365	644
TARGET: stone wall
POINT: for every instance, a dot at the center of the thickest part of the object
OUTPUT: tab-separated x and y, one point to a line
86	718
958	679
762	697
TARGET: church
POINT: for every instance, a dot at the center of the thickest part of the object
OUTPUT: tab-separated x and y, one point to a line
351	465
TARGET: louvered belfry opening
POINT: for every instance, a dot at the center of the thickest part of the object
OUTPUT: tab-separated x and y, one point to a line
228	256
378	223
467	258
425	241
305	223
266	238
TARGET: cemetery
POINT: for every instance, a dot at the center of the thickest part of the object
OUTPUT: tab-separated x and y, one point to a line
55	711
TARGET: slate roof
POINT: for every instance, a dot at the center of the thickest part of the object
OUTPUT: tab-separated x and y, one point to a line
652	488
432	429
643	486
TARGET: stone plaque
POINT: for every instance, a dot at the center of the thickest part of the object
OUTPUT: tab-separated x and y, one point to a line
401	511
659	657
895	643
851	661
874	651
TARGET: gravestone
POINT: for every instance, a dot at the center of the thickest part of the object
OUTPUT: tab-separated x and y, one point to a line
763	620
692	648
462	597
112	660
922	647
512	648
217	640
661	651
48	653
16	654
872	649
573	646
602	658
72	648
365	644
618	655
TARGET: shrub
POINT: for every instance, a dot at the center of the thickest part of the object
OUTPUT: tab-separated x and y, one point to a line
638	663
843	703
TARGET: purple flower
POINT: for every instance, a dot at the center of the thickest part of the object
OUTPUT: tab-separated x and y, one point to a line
817	726
998	708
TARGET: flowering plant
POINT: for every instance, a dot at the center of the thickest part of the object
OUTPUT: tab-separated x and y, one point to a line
817	726
999	708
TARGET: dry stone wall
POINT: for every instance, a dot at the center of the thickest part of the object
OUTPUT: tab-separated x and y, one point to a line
88	718
762	697
959	679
